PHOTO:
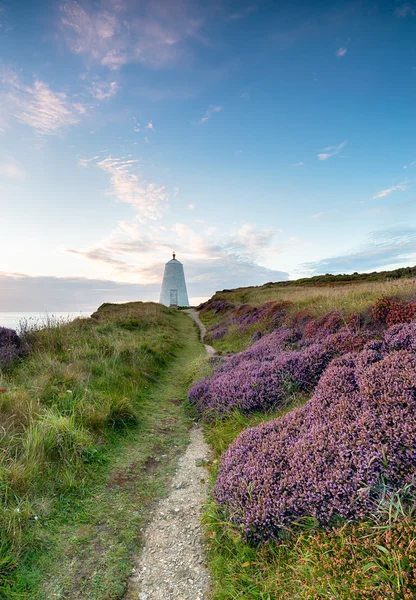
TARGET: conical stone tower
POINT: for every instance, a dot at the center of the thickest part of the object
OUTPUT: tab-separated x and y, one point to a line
174	287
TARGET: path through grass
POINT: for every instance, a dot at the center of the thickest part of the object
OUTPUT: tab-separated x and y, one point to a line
82	548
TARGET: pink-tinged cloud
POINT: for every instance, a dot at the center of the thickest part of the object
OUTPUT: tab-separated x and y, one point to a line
112	35
401	187
128	186
37	106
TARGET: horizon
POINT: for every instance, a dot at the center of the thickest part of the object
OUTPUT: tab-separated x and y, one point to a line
260	143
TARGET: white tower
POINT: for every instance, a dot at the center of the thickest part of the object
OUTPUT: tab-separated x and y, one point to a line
174	287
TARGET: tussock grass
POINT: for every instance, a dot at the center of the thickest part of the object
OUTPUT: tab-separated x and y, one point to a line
80	391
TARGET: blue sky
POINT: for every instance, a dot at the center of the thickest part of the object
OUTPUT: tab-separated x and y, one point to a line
260	140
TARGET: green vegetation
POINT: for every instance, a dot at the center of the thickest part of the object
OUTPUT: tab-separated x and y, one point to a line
320	299
92	423
371	559
293	299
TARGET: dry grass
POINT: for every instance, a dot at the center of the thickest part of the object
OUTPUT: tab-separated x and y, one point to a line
350	298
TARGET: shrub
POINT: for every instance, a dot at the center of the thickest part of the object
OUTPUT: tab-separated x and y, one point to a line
10	345
265	374
330	458
325	325
391	311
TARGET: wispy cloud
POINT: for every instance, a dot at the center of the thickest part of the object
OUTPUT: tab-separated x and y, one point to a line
191	206
408	9
299	164
401	187
331	151
113	34
103	90
210	112
242	14
150	126
37	106
341	52
382	249
139	252
129	187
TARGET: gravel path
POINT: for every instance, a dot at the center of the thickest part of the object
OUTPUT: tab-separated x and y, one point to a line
172	564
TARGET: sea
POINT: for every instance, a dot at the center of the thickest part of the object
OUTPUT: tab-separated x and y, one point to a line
17	320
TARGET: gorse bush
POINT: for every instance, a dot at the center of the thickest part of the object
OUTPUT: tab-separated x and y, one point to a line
332	457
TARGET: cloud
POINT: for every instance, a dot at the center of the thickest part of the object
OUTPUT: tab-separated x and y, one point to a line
394	188
132	251
175	192
317	216
382	249
150	126
12	171
191	206
21	292
341	52
103	90
242	14
407	9
37	106
299	164
332	150
152	32
210	111
127	185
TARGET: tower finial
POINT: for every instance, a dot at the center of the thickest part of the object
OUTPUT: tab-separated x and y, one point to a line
174	255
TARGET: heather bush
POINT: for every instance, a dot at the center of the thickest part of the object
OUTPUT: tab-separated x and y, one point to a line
332	457
325	325
10	345
266	373
391	311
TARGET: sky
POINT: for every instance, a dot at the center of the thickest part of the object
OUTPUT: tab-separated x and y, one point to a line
260	141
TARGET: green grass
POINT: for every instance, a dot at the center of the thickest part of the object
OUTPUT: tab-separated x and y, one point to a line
94	424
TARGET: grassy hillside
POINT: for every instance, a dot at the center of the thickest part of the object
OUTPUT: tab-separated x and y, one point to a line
228	311
86	415
267	389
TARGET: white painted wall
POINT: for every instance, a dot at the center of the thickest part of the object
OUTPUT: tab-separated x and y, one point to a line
174	285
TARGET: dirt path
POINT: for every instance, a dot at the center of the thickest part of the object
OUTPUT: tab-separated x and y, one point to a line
171	565
202	329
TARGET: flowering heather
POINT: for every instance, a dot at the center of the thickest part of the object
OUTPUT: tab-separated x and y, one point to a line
325	325
328	458
218	306
269	370
270	311
391	311
216	332
10	345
